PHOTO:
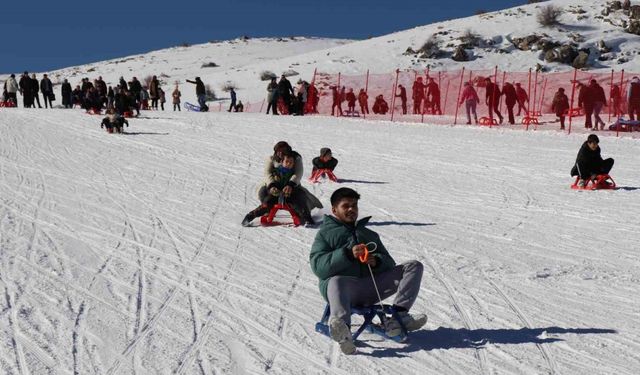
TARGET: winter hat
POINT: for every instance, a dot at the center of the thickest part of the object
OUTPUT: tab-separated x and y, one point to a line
325	151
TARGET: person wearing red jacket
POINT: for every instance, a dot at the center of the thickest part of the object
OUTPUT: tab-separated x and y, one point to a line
433	96
600	101
363	100
510	99
403	98
493	99
417	95
560	105
470	98
522	99
351	101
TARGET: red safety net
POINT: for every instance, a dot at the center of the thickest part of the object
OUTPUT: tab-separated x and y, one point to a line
434	97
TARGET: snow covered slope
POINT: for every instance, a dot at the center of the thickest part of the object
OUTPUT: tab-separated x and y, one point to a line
123	254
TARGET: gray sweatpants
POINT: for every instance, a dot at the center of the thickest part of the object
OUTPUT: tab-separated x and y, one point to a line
346	291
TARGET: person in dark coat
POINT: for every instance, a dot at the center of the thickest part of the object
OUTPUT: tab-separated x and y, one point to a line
66	94
586	100
633	97
337	103
26	89
285	91
493	99
337	258
201	94
351	101
599	101
46	87
560	105
135	87
232	93
589	164
86	86
123	84
403	98
380	106
76	97
35	88
616	100
272	96
510	99
433	96
523	98
363	100
154	92
417	94
324	161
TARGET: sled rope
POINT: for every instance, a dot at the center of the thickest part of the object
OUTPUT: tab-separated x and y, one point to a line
363	259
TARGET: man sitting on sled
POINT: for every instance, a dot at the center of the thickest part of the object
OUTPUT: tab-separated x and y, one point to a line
589	164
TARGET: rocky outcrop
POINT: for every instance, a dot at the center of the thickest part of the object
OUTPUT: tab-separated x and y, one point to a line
460	54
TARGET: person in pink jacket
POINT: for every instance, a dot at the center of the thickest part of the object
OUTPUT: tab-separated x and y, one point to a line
470	98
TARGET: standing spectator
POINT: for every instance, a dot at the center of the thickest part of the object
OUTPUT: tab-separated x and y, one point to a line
200	93
470	98
65	93
123	84
175	95
633	96
560	105
272	96
616	98
303	92
417	94
26	90
510	99
232	93
522	99
163	99
285	91
11	87
46	87
493	99
337	103
110	97
77	98
351	102
599	101
586	100
433	96
403	98
154	94
363	100
143	98
35	88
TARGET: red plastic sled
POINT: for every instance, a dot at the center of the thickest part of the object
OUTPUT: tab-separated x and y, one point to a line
319	173
8	104
574	112
530	120
487	121
602	182
267	220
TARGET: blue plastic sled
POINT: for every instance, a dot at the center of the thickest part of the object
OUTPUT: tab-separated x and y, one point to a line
368	313
194	108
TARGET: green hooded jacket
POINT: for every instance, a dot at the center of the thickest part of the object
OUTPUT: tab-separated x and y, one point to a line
331	253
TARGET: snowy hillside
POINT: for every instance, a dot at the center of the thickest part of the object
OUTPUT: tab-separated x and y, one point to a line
124	254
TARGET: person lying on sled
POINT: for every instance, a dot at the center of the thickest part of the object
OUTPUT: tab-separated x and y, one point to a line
281	177
324	161
113	121
589	164
346	282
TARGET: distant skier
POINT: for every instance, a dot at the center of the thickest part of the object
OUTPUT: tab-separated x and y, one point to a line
285	91
560	105
345	281
200	93
589	164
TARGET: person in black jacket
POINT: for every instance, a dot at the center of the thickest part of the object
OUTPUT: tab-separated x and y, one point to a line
285	91
65	92
493	99
325	160
46	87
201	94
26	90
589	164
35	88
510	99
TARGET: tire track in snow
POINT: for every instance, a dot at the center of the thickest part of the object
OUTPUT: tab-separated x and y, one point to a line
466	318
13	322
546	354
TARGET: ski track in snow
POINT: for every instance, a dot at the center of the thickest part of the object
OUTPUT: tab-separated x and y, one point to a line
124	253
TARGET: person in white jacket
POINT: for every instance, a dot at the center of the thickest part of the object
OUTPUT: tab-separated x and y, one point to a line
11	87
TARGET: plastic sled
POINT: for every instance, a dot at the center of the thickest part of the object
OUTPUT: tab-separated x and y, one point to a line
487	121
268	219
8	104
602	182
574	112
530	121
625	125
368	314
320	173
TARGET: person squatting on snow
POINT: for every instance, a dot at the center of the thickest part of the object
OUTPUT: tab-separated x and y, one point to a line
324	161
589	164
175	95
633	97
114	122
200	93
493	99
403	98
471	100
307	201
345	282
560	105
523	98
380	106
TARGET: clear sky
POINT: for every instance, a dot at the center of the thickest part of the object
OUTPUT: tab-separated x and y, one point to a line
43	35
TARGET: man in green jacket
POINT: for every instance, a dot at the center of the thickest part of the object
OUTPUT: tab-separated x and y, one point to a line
346	282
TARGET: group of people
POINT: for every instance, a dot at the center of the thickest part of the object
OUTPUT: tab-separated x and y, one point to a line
29	87
283	99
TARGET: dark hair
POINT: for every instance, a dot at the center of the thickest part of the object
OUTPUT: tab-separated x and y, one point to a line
593	138
343	193
288	153
281	145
